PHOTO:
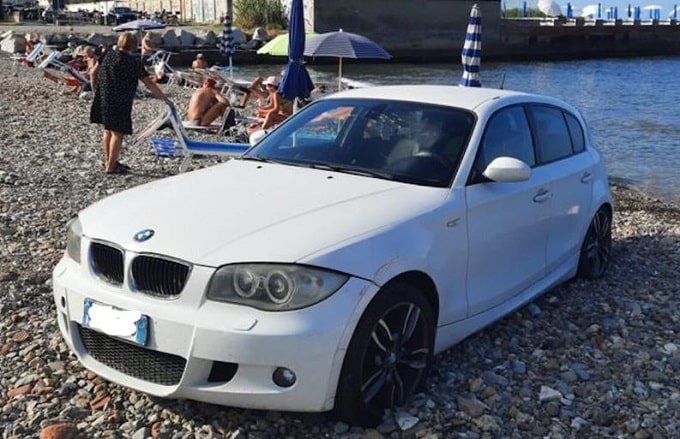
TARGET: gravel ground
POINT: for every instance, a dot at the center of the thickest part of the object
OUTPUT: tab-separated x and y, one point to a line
587	359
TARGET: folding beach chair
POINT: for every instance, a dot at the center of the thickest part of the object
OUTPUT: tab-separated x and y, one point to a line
62	78
182	145
62	73
31	58
49	59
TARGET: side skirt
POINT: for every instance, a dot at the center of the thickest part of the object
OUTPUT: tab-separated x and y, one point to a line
453	333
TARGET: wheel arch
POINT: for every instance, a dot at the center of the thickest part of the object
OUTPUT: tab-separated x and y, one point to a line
415	278
423	283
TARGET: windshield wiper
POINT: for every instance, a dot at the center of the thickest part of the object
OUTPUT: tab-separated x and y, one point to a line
352	170
255	158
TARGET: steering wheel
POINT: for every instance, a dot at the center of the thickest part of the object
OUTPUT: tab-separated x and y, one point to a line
444	161
426	165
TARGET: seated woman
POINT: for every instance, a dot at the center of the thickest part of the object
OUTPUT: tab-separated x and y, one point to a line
199	63
277	109
148	48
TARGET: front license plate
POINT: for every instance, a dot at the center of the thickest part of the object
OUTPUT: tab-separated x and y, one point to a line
116	322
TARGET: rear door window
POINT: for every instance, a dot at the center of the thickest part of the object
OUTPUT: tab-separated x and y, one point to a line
552	134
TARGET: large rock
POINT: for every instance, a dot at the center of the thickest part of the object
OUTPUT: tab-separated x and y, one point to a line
170	39
187	38
76	39
102	39
260	34
210	39
13	44
56	39
156	39
239	37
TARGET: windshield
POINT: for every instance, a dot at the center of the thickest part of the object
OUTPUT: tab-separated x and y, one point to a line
402	141
121	9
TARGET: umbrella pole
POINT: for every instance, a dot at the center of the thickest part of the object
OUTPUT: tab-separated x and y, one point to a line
340	75
231	68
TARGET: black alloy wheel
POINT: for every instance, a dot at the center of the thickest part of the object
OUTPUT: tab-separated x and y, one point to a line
597	245
388	357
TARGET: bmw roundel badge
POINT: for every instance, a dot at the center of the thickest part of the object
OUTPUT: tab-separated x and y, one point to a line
144	235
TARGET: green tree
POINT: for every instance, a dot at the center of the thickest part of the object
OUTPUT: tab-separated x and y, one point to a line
517	13
250	14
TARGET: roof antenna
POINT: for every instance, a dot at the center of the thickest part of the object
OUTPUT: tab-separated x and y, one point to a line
502	81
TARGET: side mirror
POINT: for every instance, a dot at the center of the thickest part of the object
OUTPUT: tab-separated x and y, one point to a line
507	170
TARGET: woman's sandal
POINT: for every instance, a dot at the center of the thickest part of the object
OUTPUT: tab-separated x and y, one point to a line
118	169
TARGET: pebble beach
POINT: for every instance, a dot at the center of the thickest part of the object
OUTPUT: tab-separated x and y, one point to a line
589	359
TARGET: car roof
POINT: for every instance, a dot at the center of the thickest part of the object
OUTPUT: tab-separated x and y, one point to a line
462	97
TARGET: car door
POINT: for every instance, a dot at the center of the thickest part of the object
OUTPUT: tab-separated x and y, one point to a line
507	222
561	152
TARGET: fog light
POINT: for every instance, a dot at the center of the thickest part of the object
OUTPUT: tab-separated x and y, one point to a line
283	377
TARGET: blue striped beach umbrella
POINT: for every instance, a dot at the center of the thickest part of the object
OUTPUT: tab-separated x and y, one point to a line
227	47
472	50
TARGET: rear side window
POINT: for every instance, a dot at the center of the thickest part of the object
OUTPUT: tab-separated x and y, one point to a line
552	133
577	137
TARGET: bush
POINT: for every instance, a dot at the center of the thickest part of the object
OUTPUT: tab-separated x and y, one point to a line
250	14
517	13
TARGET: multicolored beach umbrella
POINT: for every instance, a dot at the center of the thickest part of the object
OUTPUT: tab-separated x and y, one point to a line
227	47
472	50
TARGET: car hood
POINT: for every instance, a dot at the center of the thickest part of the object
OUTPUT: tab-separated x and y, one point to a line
245	211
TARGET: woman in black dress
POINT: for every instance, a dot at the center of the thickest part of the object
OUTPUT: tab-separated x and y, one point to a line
115	83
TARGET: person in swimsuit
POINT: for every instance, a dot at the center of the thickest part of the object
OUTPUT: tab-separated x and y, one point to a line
206	104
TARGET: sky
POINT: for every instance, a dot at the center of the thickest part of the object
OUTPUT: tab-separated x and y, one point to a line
577	5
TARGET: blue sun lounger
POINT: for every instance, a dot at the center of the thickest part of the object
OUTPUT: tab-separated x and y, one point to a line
182	145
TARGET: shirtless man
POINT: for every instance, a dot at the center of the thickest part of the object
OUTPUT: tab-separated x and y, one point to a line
206	104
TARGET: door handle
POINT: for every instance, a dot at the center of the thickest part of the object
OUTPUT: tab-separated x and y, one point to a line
587	177
453	223
542	196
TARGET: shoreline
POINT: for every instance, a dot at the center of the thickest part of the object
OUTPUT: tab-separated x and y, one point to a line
523	43
609	347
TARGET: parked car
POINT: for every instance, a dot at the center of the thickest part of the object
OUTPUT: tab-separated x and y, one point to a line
120	14
324	268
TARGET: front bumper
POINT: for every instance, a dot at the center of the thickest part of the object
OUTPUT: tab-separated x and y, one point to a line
221	353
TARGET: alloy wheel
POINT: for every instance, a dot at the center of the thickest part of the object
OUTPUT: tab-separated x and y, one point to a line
597	246
396	357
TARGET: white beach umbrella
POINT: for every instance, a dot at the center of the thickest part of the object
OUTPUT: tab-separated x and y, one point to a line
590	11
549	7
652	8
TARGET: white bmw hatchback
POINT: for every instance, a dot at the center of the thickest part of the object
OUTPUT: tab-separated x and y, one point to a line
326	266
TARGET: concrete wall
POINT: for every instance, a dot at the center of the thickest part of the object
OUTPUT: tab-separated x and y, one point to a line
409	26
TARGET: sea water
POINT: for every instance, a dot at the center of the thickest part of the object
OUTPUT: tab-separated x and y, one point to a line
631	105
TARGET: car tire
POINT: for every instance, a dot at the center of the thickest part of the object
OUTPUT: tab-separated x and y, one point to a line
388	357
596	248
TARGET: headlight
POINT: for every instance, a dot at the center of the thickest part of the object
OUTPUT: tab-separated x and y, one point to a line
273	287
73	237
